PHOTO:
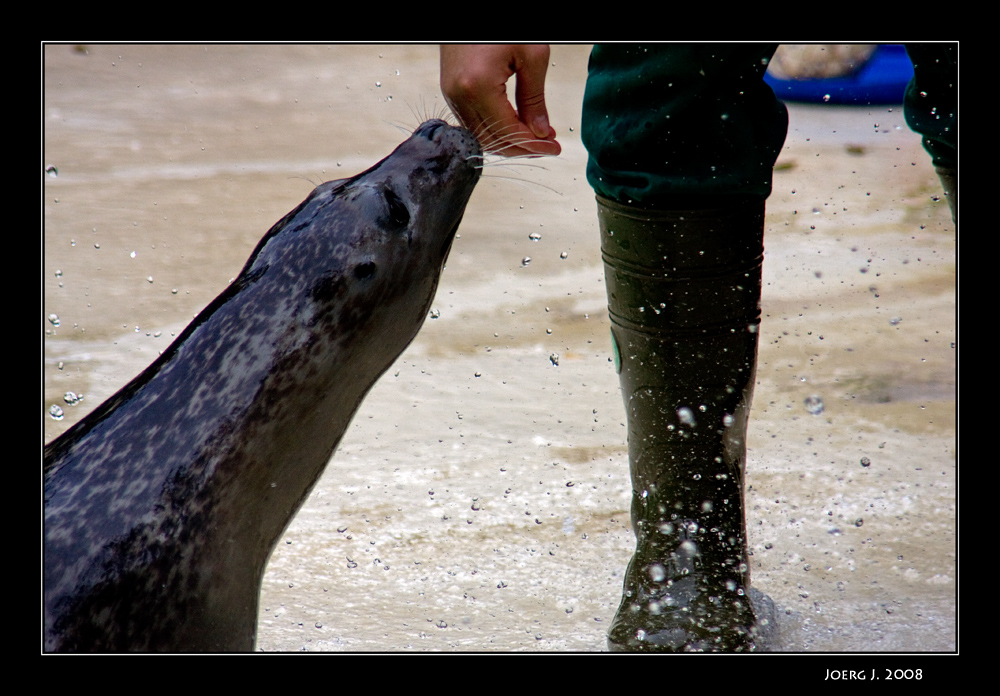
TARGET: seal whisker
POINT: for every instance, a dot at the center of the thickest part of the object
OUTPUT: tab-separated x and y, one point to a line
492	160
444	113
522	182
510	140
401	127
441	113
507	162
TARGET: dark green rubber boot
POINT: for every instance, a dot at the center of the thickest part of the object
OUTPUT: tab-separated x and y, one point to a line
684	299
949	181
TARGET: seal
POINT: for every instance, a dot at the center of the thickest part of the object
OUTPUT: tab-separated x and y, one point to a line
163	505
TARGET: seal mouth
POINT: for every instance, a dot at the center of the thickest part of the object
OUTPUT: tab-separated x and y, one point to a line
449	238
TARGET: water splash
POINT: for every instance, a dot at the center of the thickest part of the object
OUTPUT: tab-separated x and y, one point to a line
814	404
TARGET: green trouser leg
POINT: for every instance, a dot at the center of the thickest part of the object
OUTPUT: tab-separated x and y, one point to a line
931	109
684	300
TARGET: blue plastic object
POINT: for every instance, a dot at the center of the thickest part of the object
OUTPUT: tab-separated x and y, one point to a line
881	80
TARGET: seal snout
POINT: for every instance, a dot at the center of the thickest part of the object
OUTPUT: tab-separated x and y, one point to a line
443	134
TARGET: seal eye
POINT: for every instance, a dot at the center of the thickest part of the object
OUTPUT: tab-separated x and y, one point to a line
397	215
364	271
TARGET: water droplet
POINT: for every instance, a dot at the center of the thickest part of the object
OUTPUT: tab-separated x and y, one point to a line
865	461
435	313
55	412
685	416
858	522
563	255
657	573
554	359
52	171
727	420
534	236
72	398
895	320
826	97
814	405
54	319
525	261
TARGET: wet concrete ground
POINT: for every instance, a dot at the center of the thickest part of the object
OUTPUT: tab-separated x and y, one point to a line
479	501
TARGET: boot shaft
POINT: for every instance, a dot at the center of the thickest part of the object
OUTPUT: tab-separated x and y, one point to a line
684	301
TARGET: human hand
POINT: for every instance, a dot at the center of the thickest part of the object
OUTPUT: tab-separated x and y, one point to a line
474	83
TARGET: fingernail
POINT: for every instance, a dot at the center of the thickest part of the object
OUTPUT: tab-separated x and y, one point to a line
540	127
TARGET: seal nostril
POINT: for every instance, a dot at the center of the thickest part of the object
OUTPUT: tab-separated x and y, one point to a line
432	127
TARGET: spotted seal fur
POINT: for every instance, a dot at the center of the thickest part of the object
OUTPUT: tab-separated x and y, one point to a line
163	505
